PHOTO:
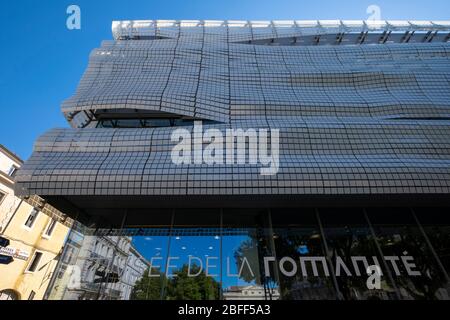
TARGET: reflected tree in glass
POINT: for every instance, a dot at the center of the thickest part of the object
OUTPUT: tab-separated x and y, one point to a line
184	287
296	243
148	288
400	241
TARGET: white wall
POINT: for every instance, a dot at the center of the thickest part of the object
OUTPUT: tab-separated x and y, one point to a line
10	202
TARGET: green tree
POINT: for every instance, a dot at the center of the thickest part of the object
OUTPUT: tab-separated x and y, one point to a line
185	287
148	288
248	255
181	287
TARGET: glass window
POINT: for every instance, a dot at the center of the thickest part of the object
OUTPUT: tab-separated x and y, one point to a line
32	218
243	248
415	270
193	265
35	262
298	242
12	171
9	295
436	225
230	254
352	249
69	255
50	228
32	295
153	245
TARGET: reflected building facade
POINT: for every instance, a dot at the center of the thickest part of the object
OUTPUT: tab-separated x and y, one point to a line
248	293
359	111
97	268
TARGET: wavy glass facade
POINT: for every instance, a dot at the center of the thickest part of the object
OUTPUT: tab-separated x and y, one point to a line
363	113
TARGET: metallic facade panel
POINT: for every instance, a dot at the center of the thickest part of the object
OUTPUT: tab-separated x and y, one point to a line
353	119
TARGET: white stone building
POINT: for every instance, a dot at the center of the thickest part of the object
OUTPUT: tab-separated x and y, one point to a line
251	292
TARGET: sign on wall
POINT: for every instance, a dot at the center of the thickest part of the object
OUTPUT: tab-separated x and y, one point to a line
15	253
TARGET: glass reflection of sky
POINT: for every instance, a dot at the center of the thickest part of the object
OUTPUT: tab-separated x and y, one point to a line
230	245
197	246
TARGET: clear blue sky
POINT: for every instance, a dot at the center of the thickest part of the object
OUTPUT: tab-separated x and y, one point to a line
42	62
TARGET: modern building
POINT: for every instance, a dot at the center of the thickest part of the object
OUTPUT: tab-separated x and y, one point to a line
35	232
296	155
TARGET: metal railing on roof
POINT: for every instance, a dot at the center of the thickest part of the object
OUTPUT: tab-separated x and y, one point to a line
141	29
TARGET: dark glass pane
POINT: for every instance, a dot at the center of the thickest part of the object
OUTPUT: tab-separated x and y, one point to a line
412	264
437	228
352	249
295	245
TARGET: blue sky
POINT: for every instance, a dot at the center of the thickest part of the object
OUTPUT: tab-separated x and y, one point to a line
42	62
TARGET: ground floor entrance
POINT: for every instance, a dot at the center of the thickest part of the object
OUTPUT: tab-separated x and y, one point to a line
263	254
